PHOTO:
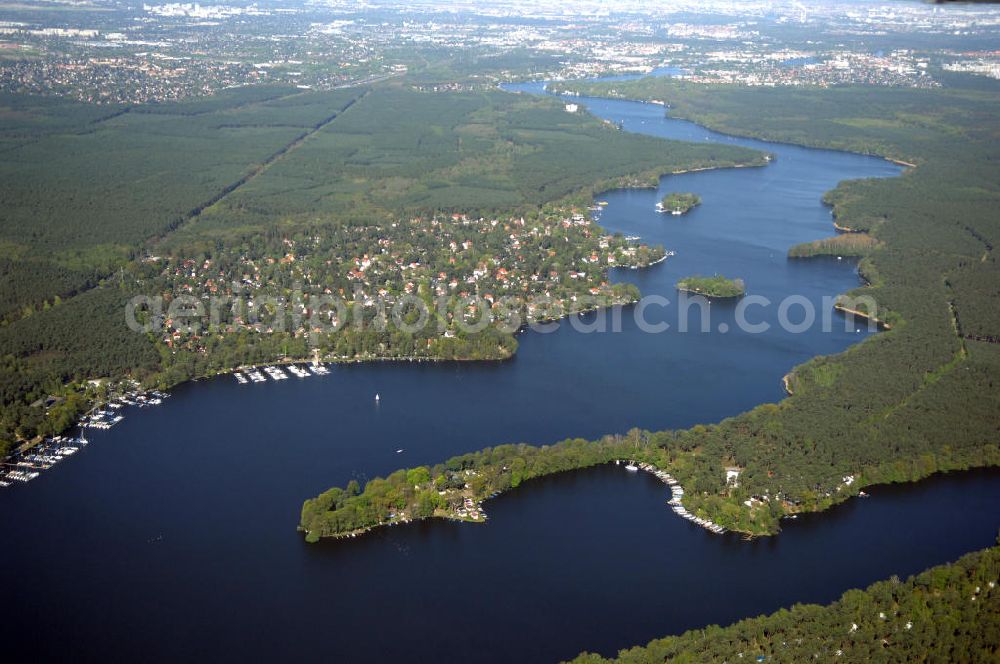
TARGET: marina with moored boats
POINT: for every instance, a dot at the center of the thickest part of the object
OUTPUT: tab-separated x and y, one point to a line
34	457
256	375
28	465
677	495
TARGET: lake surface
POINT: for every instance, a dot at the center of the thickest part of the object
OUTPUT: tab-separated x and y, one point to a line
173	535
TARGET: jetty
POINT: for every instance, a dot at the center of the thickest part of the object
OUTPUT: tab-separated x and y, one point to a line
246	375
676	496
275	373
105	419
862	314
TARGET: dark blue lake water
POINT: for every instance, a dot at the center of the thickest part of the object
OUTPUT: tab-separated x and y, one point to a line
173	535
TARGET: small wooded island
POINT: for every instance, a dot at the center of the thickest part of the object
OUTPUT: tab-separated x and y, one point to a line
678	203
717	286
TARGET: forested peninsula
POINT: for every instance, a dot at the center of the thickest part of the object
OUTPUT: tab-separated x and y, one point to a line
265	194
922	397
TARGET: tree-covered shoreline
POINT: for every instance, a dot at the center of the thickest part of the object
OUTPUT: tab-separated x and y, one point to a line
846	244
950	613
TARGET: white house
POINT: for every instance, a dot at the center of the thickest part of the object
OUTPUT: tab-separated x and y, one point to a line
732	476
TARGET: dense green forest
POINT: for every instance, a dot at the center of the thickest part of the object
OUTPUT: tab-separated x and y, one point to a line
847	244
82	193
99	204
949	613
400	150
66	345
714	286
920	398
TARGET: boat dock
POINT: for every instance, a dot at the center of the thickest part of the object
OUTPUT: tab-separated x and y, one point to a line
105	419
676	496
257	375
39	455
98	421
275	373
28	465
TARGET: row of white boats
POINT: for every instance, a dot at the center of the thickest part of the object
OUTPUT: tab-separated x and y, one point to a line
28	466
676	496
105	419
97	420
140	399
256	375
